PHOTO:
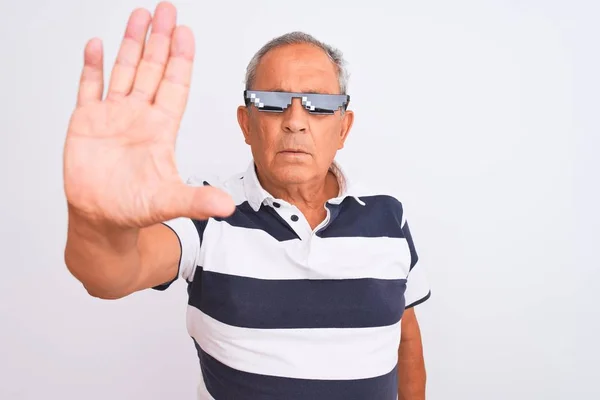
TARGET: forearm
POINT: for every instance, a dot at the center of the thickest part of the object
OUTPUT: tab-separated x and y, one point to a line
105	260
411	370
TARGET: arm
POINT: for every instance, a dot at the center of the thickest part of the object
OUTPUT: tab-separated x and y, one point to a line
119	172
113	263
411	366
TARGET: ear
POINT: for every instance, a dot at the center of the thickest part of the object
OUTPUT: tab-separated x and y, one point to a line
347	121
243	117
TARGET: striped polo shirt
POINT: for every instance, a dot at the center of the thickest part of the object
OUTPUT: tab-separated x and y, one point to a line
278	310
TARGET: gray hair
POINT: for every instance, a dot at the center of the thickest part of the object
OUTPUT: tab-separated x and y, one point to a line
299	38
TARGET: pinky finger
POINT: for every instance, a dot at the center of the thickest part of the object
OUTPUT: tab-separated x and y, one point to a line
91	84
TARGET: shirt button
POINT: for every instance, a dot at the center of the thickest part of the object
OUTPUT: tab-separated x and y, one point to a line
276	205
295	218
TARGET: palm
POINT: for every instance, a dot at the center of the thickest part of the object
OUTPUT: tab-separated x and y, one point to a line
119	163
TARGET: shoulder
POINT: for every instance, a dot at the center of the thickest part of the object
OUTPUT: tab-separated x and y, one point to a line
381	199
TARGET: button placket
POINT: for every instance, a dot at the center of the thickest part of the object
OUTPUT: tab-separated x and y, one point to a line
292	216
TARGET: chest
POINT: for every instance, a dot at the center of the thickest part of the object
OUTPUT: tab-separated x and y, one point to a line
270	274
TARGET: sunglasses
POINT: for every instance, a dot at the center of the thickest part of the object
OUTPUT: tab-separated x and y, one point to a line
314	103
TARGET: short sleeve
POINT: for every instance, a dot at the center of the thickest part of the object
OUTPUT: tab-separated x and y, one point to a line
417	286
189	233
189	243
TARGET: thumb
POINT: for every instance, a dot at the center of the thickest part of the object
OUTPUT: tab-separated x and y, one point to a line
204	202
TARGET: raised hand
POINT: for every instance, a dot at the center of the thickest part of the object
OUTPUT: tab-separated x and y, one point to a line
119	155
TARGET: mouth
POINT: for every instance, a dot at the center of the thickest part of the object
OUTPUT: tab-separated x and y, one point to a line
292	151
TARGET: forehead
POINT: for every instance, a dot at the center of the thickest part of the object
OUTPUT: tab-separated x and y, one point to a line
297	68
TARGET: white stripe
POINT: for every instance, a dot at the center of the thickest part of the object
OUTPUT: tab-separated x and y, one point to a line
417	285
349	353
254	253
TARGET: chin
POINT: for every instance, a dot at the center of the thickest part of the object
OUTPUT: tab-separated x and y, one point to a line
293	173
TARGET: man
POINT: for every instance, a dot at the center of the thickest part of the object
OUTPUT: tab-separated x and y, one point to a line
301	284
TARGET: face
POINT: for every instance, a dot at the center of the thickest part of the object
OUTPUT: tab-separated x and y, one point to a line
295	147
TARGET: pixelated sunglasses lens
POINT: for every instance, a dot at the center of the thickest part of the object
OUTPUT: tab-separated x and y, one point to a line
324	103
313	103
269	101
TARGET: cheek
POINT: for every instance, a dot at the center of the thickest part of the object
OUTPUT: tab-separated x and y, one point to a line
265	132
331	133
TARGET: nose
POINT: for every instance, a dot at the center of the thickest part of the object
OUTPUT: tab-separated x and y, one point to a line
295	118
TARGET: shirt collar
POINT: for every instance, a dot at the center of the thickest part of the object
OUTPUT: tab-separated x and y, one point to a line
258	196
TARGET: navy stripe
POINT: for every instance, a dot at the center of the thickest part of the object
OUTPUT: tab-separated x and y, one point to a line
223	383
414	257
282	304
200	225
265	219
381	216
194	286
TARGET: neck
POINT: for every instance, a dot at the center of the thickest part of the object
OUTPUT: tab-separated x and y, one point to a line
309	197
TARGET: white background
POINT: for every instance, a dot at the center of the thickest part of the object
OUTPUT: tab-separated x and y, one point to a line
481	114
